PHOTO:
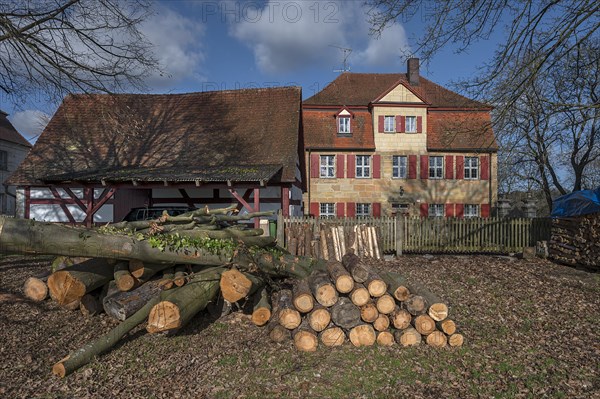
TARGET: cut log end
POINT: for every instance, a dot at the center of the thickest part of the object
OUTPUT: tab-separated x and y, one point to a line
35	289
344	284
401	293
424	324
234	285
401	319
326	295
363	335
126	283
59	369
319	319
164	316
136	268
280	334
382	323
438	311
408	337
456	340
386	304
289	318
377	288
333	336
306	341
447	326
369	313
65	289
385	338
360	296
416	305
261	316
304	303
437	339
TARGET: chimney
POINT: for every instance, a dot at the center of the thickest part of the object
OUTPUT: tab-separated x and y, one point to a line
412	71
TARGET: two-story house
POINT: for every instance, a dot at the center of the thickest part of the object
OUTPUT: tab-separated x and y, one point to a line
13	149
382	144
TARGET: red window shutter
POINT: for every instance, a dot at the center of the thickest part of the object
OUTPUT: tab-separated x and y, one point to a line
350	209
412	166
485	210
351	166
376	209
449	167
449	210
399	128
381	123
314	209
340	209
484	160
376	166
419	124
314	165
424	210
424	167
460	167
460	210
339	166
403	124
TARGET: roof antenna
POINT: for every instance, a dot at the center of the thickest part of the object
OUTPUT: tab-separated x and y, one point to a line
347	52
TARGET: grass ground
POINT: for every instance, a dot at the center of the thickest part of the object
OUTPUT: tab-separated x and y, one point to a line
532	330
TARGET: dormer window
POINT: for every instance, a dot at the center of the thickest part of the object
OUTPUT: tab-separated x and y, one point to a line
344	124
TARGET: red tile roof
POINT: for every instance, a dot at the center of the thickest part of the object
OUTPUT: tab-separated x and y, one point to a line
151	137
363	88
460	130
9	133
320	130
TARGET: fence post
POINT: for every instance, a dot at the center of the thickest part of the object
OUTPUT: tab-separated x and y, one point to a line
399	235
280	230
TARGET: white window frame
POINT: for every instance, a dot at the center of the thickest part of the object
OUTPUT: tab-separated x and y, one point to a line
401	209
363	166
327	209
344	124
363	210
471	168
472	211
389	124
436	167
437	210
410	124
399	166
327	166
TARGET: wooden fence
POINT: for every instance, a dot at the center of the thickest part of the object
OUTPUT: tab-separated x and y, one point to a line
442	235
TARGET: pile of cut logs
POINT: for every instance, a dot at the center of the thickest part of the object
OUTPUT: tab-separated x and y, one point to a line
333	241
350	300
576	241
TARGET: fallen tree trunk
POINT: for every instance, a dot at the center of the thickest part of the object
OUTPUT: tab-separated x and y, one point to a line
357	269
121	305
72	283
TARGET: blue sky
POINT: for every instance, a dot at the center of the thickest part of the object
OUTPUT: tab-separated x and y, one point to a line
216	45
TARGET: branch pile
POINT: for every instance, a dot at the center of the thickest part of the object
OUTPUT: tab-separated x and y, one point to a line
576	241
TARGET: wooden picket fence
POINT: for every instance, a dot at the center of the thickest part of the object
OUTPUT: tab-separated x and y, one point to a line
442	235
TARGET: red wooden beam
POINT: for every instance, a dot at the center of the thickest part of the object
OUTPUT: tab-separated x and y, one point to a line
285	201
241	200
27	210
256	207
246	197
103	199
75	199
63	206
186	197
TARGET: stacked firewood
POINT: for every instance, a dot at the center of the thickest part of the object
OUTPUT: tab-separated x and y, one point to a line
333	241
576	241
351	301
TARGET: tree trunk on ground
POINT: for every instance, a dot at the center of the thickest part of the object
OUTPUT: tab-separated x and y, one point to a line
357	269
179	305
121	305
362	335
123	278
345	314
332	336
322	288
319	318
343	280
72	283
305	339
360	295
303	297
289	317
60	262
385	338
85	354
408	337
261	310
35	287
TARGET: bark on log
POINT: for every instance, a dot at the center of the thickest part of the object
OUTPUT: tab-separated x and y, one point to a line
35	287
332	336
219	307
345	314
358	270
369	312
456	340
322	289
362	335
289	317
121	305
305	339
72	283
319	318
437	339
85	354
302	296
382	323
144	271
416	305
123	278
60	262
360	295
424	324
179	305
277	333
385	338
90	305
261	310
386	304
397	285
408	337
343	280
401	318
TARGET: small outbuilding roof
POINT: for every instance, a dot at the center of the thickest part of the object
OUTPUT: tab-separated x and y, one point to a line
9	133
234	135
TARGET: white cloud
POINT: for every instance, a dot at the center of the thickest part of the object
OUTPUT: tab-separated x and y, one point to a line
30	123
290	35
177	44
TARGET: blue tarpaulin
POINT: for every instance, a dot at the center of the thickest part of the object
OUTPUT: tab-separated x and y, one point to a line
576	204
